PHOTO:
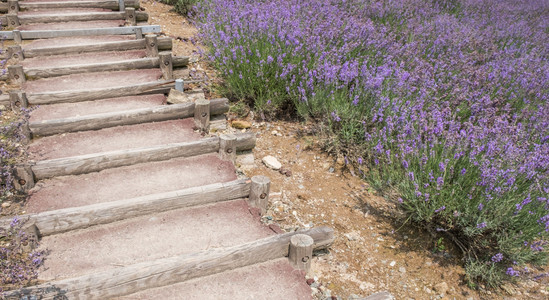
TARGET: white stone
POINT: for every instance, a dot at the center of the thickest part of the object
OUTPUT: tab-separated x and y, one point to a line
272	162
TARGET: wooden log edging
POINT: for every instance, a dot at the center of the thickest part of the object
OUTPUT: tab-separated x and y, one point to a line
130	64
167	271
164	43
67	219
96	162
44	34
104	93
120	118
75	17
107	4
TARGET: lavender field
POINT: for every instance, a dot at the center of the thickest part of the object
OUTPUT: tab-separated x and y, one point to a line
445	103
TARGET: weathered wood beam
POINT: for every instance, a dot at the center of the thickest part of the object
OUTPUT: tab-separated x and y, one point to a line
45	34
96	94
131	64
67	219
120	118
162	272
113	159
107	4
164	43
166	64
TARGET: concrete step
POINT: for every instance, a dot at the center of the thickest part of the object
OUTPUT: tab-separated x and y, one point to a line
275	280
91	81
128	182
124	243
81	59
113	138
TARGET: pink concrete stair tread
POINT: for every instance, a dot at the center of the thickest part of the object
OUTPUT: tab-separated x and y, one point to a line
274	279
128	182
183	231
91	81
75	41
67	110
113	138
82	58
73	25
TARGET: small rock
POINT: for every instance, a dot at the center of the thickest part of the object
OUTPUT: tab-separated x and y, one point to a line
331	170
392	264
380	296
6	204
427	290
285	171
402	270
274	132
239	124
441	288
310	281
272	162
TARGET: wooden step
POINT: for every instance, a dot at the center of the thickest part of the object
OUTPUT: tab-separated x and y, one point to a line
99	161
126	280
164	43
62	220
132	64
93	31
119	118
45	18
108	4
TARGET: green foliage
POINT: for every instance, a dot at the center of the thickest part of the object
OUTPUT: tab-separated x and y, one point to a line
183	7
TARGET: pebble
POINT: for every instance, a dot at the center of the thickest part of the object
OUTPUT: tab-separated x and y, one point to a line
393	263
272	162
239	124
6	204
441	288
402	270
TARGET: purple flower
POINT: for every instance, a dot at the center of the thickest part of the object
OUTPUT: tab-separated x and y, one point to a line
360	160
511	272
481	225
405	164
440	209
335	117
497	258
480	206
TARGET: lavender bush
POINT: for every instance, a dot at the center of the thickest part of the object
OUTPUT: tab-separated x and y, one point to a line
18	262
11	149
444	102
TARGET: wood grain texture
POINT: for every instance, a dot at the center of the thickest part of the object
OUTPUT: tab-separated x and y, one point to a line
96	162
151	44
301	252
259	193
130	16
202	115
74	17
166	64
63	220
5	100
113	159
16	74
108	4
120	118
164	43
88	95
245	141
131	64
43	34
162	272
227	147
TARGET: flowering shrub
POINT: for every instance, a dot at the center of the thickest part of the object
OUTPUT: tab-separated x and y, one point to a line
19	265
11	149
446	102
